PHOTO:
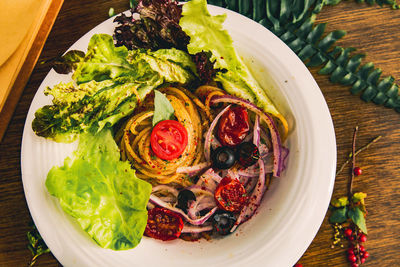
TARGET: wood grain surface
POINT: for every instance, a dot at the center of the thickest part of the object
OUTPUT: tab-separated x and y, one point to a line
371	29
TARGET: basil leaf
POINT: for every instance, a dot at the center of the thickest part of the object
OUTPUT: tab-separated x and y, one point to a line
338	215
357	216
163	109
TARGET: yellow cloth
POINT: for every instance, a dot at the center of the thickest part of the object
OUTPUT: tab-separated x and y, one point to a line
20	21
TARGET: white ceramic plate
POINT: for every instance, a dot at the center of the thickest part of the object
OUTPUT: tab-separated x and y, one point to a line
291	212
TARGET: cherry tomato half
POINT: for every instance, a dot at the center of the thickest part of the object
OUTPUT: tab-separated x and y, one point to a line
230	195
163	224
233	126
168	139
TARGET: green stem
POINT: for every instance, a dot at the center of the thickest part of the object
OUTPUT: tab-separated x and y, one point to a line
353	153
358	152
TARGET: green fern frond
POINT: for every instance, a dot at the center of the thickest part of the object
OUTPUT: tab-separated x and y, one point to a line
293	21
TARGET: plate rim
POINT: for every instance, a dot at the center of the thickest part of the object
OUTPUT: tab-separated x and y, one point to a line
212	9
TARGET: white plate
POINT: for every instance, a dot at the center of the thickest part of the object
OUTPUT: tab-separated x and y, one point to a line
291	211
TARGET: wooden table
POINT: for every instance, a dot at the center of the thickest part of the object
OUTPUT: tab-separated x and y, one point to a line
371	29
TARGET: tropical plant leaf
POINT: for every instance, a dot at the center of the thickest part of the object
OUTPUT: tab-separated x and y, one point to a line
293	21
391	3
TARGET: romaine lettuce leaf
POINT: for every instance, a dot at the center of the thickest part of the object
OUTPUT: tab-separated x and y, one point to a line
101	192
174	65
207	34
82	108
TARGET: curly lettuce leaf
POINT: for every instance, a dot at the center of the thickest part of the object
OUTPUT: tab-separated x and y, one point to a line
207	34
113	90
102	193
103	61
156	28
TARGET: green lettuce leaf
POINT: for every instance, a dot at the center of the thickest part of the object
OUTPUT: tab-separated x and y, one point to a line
102	193
103	61
207	34
174	65
110	82
85	107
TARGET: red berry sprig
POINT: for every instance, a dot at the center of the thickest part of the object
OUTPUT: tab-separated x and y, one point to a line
348	213
356	253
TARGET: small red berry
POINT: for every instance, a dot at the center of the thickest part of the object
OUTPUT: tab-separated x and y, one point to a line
366	255
362	249
357	171
351	238
350	251
354	264
348	232
362	260
363	238
352	258
298	265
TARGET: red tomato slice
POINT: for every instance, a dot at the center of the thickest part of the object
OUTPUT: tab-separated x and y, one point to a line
163	224
233	126
231	195
168	139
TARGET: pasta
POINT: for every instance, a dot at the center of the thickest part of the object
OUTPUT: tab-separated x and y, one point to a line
135	140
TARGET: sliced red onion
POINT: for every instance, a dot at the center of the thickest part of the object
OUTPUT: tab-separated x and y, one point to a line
255	199
285	154
263	149
210	179
251	184
192	210
150	205
247	174
248	138
198	189
167	188
244	179
265	137
156	200
215	143
254	170
168	199
202	203
233	174
193	170
222	173
256	131
276	140
207	142
190	229
206	205
213	175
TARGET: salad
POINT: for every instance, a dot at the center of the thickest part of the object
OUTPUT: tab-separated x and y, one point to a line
176	139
